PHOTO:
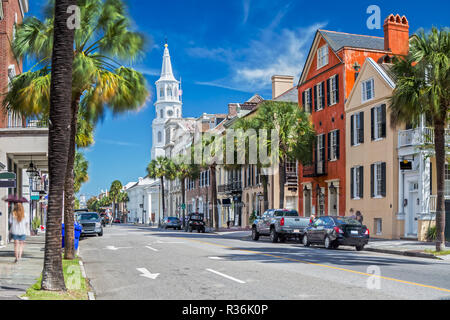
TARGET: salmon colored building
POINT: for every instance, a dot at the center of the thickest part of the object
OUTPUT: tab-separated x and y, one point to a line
330	71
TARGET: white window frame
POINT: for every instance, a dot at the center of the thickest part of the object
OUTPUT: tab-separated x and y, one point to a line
364	90
356	183
320	96
378	122
336	185
333	145
377	180
356	129
333	90
308	98
319	147
322	56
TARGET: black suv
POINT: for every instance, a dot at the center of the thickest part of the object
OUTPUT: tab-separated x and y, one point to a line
332	231
195	222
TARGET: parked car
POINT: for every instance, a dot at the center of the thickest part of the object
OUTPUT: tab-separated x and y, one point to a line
117	220
334	231
195	222
172	222
279	224
91	223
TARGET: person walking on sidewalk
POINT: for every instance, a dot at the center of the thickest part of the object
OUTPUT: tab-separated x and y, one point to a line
19	226
359	216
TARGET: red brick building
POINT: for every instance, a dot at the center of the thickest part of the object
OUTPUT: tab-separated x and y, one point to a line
11	14
331	68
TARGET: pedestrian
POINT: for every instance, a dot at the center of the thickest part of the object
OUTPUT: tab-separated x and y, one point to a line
352	214
359	216
312	218
19	227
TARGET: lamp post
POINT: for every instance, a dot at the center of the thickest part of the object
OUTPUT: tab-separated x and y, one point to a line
32	173
260	196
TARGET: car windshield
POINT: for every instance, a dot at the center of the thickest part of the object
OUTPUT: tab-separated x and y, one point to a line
88	216
196	217
282	213
348	220
172	219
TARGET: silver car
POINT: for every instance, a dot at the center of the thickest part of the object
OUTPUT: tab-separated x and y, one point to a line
91	223
171	222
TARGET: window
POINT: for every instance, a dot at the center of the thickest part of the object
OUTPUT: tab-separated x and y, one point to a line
333	90
161	113
357	182
321	203
322	56
368	92
161	93
159	136
169	91
333	145
307	100
357	128
378	180
378	223
291	167
170	113
319	97
378	122
320	153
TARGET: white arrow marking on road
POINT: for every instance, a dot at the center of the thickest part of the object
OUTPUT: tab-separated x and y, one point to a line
148	247
216	258
145	273
224	275
114	248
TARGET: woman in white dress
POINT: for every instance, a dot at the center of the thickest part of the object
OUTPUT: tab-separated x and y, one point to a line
19	227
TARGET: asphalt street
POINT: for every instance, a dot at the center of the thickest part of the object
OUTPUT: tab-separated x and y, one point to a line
135	262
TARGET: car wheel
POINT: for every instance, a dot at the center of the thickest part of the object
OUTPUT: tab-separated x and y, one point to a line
190	229
255	234
305	241
101	233
327	242
359	248
282	239
335	245
198	230
273	235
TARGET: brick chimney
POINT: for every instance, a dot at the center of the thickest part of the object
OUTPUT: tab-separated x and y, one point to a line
281	84
233	109
396	35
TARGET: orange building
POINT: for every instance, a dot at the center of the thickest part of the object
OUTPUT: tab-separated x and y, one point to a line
330	71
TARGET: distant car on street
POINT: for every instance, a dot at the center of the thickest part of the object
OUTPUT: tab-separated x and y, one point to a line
171	222
279	224
333	231
195	222
91	223
117	220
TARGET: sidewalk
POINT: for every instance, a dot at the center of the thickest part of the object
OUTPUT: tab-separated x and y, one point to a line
15	279
404	248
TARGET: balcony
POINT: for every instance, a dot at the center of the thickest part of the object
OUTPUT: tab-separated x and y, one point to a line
418	137
317	169
232	187
31	124
291	178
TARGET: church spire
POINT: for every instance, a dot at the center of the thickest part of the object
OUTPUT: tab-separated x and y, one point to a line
166	71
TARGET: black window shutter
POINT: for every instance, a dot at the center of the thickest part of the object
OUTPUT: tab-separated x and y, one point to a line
328	90
329	145
372	181
383	179
304	100
337	88
431	177
315	97
383	119
361	127
323	95
361	180
352	134
372	124
352	183
323	147
337	145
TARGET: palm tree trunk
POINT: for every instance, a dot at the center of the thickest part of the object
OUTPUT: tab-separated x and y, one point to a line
58	144
282	178
69	197
439	140
183	197
214	196
264	179
162	197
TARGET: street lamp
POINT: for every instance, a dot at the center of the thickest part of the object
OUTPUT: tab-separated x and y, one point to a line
260	196
332	188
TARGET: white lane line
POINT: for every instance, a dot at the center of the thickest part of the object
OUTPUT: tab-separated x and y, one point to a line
225	276
215	258
148	247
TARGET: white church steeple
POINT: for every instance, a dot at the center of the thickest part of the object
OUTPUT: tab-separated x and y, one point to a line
168	104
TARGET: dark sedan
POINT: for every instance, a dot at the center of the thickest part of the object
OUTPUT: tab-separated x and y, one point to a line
333	231
171	222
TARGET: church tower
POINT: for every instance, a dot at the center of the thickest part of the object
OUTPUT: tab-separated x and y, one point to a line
168	104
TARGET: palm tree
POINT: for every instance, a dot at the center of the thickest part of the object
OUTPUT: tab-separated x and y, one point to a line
123	198
60	98
114	191
185	170
295	134
80	171
99	81
423	89
161	168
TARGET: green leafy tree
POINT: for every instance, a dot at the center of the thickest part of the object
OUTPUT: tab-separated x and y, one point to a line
161	168
92	204
80	171
98	79
114	192
423	88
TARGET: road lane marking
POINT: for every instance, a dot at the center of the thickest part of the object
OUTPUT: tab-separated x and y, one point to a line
114	248
170	242
225	276
215	258
327	266
148	247
147	274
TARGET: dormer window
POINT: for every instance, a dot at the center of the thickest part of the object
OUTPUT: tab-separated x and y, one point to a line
322	56
368	92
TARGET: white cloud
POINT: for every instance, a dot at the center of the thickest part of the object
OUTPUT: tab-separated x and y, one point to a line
246	5
275	52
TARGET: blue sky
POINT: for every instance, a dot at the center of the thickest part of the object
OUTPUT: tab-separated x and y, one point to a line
225	51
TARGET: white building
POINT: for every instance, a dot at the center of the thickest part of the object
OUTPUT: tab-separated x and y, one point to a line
145	204
168	104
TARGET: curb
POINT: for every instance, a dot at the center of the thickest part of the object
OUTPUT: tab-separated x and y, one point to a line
404	253
91	295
